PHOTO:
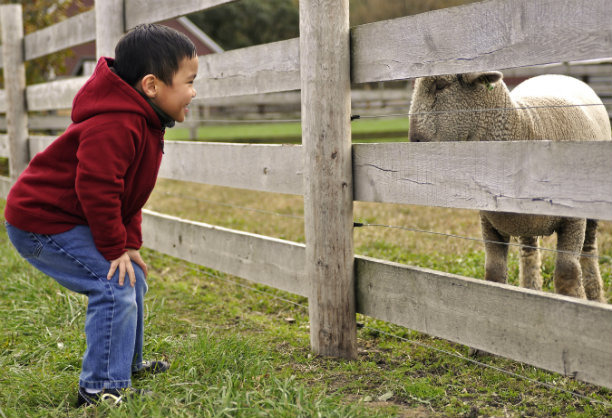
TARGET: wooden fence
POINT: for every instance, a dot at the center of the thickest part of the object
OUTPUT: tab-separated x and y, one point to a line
557	333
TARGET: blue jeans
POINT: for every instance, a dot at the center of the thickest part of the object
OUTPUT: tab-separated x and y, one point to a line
114	321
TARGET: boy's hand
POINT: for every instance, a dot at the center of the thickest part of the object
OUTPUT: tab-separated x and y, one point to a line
124	264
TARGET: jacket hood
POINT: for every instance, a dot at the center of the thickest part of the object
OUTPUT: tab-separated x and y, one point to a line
106	92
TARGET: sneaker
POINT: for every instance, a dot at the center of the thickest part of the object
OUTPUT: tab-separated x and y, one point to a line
152	367
111	396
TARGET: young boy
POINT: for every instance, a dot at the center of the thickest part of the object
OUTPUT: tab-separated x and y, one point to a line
75	212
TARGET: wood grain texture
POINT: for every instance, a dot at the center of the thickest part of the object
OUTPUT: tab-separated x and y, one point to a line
269	168
5	186
4	146
264	260
328	190
39	142
11	24
75	30
553	332
152	11
109	25
489	35
53	95
267	68
552	178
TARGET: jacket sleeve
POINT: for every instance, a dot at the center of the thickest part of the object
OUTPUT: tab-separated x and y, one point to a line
104	156
134	232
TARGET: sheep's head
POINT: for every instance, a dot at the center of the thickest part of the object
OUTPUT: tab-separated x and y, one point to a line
440	106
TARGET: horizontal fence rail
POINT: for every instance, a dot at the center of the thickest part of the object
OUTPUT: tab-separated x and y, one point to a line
75	30
571	179
152	11
264	260
552	178
467	311
482	36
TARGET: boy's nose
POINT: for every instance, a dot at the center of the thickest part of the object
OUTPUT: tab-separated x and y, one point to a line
193	93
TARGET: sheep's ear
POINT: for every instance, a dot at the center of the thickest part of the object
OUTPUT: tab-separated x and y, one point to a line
488	78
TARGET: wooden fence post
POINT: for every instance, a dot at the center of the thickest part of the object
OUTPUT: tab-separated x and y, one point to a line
328	187
11	22
110	26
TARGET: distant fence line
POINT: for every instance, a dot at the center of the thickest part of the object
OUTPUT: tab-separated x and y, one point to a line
557	333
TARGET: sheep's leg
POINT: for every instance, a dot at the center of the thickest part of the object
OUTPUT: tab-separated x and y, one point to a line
530	275
591	278
496	252
568	274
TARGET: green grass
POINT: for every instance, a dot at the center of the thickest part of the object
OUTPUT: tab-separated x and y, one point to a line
363	130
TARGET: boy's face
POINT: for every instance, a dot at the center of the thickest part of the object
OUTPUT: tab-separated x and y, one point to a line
173	99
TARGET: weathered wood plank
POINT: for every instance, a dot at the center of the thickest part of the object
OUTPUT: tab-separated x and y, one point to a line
553	332
482	36
4	146
151	11
328	191
40	123
53	95
39	143
270	168
73	31
11	28
264	260
552	178
2	98
110	26
267	68
5	186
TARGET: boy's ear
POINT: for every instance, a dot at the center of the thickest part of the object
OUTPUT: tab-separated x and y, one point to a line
148	84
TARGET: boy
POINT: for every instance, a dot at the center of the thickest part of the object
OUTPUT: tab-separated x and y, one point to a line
75	212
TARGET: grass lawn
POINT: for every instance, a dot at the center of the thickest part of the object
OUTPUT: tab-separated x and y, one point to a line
240	349
363	130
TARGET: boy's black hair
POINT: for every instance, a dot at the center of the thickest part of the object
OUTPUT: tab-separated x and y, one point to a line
151	49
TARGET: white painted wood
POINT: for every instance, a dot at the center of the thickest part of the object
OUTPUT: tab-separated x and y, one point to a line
152	11
270	168
258	69
5	186
4	146
553	178
54	95
553	332
110	26
328	190
75	30
488	35
11	24
264	260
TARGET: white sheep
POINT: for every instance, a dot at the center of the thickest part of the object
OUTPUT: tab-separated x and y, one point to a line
541	109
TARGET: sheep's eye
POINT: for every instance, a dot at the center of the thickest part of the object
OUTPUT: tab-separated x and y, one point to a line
441	84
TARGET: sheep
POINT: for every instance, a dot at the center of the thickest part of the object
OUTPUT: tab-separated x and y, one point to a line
539	111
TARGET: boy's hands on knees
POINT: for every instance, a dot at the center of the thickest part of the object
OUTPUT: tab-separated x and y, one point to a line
124	264
136	258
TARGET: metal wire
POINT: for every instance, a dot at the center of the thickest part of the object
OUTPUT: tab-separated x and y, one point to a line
357	224
510	244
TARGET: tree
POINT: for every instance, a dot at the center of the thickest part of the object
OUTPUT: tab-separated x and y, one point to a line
250	22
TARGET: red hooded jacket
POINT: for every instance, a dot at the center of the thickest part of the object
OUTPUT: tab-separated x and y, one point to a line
99	173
